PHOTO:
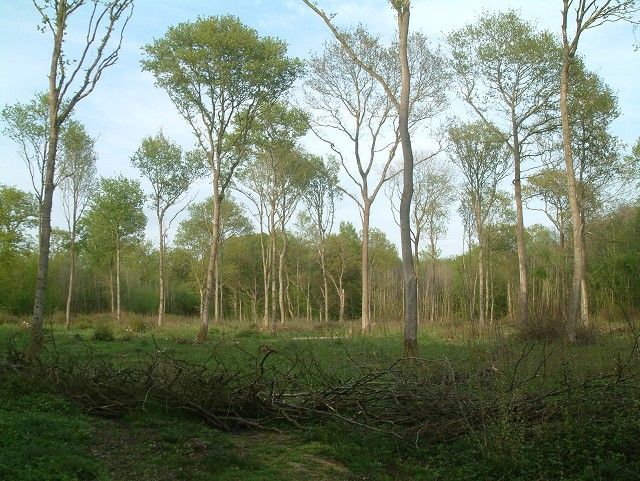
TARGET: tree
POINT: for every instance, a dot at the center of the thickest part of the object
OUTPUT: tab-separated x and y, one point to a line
194	236
279	172
115	219
170	172
507	73
588	14
632	161
480	153
27	125
70	80
432	197
549	186
425	71
218	72
320	199
350	103
78	172
18	211
343	251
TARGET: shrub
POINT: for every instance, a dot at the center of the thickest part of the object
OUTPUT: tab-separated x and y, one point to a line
138	324
103	333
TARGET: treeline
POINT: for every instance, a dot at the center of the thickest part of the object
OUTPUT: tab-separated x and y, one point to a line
266	246
448	288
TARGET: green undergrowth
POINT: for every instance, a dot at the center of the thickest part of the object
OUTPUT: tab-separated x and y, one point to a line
521	410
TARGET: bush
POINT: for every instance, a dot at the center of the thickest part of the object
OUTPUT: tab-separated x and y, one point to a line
138	324
103	333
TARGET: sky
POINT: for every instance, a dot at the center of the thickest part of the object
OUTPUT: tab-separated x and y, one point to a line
126	106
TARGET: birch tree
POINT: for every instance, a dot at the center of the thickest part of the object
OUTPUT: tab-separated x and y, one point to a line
79	181
115	219
507	73
218	72
584	15
480	153
170	172
320	198
424	74
73	75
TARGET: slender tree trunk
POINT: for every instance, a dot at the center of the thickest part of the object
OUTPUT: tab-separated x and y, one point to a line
213	257
216	292
309	302
265	273
578	257
281	283
112	291
584	293
72	268
118	304
44	228
408	268
366	282
161	271
272	270
481	288
523	309
416	263
325	292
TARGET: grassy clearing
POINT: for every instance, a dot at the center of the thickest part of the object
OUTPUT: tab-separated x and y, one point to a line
520	410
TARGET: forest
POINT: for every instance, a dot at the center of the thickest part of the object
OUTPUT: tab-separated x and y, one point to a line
222	315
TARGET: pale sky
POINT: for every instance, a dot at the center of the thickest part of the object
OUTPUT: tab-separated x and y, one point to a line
126	107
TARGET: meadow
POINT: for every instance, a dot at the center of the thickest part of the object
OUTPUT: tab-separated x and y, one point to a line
132	401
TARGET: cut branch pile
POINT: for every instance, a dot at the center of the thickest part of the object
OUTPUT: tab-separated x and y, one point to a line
414	400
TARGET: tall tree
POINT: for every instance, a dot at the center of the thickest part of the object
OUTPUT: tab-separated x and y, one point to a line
320	199
507	73
587	15
71	78
218	72
17	214
78	171
433	195
479	152
27	124
549	186
194	236
278	173
170	172
425	71
350	104
115	219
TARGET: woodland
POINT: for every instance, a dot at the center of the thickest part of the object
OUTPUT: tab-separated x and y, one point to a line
258	335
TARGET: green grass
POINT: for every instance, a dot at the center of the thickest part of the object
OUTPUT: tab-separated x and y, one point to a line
589	432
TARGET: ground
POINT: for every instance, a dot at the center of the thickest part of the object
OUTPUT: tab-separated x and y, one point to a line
525	410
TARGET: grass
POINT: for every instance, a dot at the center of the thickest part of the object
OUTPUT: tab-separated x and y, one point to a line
588	432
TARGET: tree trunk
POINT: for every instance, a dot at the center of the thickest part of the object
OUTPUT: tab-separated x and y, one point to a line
44	237
366	283
325	291
72	267
118	305
216	292
523	309
112	291
265	274
408	268
272	270
578	257
161	253
481	288
213	256
281	283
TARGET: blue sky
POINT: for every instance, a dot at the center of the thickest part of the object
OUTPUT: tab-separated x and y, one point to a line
126	106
